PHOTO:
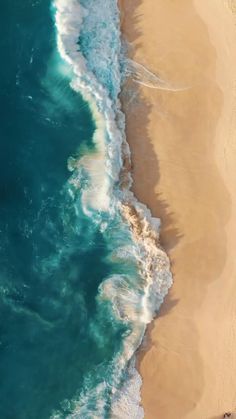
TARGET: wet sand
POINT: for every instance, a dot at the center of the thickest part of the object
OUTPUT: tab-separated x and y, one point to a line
183	145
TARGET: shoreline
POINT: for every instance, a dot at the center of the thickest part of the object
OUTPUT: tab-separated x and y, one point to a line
183	153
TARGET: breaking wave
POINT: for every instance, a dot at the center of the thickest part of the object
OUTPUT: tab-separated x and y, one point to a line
88	40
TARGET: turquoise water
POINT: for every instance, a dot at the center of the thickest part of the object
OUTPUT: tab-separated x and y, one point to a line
52	257
77	286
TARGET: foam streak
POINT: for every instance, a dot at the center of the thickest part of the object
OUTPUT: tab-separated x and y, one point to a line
88	38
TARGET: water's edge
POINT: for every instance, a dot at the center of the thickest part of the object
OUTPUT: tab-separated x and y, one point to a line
96	64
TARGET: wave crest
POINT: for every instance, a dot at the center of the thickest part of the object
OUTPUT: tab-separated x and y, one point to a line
88	39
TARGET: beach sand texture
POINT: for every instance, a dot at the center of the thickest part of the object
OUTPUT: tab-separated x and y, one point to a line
183	144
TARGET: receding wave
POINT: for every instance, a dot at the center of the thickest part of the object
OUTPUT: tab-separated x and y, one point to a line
142	75
88	39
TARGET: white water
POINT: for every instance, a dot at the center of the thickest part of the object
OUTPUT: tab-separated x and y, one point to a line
96	68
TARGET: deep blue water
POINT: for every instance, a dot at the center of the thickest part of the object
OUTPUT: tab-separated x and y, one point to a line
52	258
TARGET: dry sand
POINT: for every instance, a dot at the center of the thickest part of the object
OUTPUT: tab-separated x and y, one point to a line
183	146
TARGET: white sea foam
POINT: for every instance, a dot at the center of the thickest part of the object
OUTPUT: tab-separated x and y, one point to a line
88	39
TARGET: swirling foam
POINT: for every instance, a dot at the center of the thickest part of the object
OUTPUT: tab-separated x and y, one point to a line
88	39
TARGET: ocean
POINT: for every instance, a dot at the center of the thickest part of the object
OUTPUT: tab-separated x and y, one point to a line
81	270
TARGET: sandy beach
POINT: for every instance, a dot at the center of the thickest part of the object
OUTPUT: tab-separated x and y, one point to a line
182	135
